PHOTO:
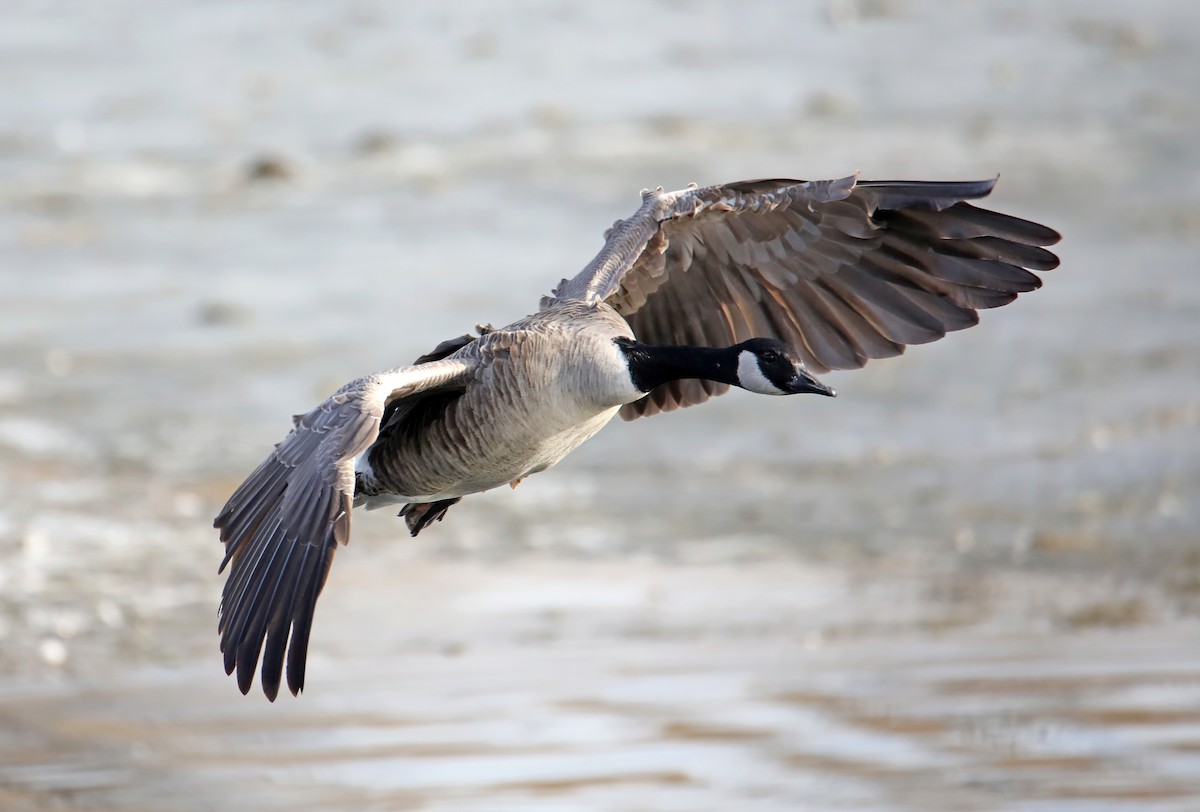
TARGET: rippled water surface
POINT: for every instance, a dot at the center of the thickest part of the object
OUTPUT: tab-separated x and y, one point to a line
972	582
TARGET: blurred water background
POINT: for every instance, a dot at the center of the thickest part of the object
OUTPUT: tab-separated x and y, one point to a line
972	582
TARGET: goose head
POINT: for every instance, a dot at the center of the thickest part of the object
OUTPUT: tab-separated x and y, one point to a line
763	365
771	367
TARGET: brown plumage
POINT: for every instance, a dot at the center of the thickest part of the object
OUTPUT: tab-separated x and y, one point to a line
844	271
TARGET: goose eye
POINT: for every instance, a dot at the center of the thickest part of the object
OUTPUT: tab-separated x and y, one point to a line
770	356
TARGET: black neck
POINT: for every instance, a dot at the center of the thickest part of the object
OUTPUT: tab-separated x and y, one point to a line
652	366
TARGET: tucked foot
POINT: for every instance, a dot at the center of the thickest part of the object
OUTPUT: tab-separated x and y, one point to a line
419	515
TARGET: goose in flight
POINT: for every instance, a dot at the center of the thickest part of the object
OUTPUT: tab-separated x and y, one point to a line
758	284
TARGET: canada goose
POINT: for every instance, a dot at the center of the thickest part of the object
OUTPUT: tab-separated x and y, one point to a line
755	284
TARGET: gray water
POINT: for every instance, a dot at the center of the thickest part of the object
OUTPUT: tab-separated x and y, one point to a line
972	582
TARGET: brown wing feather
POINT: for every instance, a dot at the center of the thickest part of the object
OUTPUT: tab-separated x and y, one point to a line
843	273
283	524
280	529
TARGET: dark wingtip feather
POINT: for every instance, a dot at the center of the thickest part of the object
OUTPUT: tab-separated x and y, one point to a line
1044	235
270	686
929	194
275	572
247	661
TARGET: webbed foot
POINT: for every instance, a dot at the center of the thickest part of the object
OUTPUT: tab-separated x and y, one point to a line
419	515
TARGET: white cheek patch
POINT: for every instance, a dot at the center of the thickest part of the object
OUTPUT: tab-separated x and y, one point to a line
751	377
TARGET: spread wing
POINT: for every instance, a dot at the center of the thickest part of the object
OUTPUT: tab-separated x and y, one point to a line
281	527
843	270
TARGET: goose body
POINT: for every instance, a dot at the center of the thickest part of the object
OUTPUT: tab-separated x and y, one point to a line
543	385
756	284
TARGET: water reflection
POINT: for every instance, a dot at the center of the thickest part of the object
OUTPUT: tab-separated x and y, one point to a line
756	686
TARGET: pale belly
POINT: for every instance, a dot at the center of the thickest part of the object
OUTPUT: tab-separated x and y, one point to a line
428	469
474	448
506	466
